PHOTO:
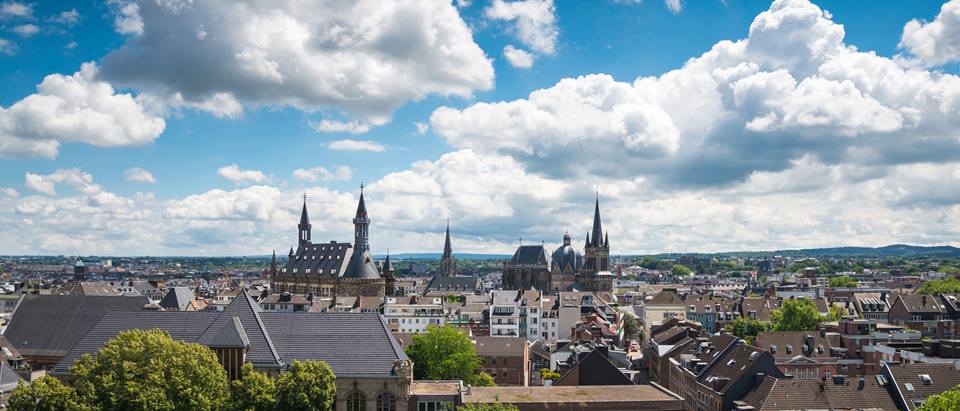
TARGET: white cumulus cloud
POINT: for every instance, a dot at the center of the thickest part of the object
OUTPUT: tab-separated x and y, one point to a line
139	175
237	175
518	57
322	173
77	108
938	41
356	145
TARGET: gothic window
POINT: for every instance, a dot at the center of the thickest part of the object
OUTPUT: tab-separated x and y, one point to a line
356	401
386	402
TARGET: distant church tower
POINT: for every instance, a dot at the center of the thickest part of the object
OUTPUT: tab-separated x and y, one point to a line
597	249
304	226
361	226
448	265
79	272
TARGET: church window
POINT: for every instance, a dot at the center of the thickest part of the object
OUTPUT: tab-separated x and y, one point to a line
386	402
356	401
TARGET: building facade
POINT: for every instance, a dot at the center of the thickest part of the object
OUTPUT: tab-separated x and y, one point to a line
566	269
334	268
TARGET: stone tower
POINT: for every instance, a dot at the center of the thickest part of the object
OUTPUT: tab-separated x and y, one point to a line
448	265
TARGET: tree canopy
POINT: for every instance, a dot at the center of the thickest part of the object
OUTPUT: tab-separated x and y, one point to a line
254	391
946	285
796	315
149	370
745	328
946	401
46	394
843	282
680	270
630	329
307	385
495	406
445	353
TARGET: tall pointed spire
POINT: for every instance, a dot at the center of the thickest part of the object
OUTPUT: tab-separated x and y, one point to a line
587	243
361	226
304	226
273	265
448	265
447	248
597	228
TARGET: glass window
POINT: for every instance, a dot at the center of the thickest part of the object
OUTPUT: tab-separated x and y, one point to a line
386	402
356	401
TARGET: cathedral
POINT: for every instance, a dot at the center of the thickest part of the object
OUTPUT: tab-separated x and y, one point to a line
566	269
333	269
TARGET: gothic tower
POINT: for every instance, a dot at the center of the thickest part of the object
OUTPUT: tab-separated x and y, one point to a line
304	226
273	265
448	265
361	226
597	248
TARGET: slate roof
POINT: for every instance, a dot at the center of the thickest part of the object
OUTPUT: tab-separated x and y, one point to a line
177	298
454	283
316	260
923	303
9	379
65	319
363	348
93	288
361	266
593	369
790	394
795	340
943	377
499	346
530	255
354	344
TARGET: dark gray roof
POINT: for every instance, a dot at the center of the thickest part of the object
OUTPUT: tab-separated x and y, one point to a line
354	344
315	260
9	379
530	255
177	298
65	319
361	266
261	351
183	326
566	256
272	338
455	283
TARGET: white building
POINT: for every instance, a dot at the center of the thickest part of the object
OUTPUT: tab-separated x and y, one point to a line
413	314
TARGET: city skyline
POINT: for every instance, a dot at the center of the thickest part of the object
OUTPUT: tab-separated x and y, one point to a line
704	126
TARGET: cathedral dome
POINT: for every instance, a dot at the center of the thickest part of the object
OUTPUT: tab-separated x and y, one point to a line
566	257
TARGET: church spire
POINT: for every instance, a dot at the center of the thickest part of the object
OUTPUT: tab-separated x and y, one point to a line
304	226
273	265
448	265
597	229
361	226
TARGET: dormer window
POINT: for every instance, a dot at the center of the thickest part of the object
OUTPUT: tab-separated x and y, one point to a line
773	349
789	349
925	378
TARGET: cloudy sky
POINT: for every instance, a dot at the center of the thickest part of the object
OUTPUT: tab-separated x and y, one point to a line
173	127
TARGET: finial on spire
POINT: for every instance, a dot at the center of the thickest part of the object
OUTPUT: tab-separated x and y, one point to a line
304	196
361	186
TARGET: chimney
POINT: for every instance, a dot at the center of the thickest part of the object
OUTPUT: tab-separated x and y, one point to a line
924	299
883	296
808	344
760	377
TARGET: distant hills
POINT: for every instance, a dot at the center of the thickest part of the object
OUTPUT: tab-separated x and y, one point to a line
895	250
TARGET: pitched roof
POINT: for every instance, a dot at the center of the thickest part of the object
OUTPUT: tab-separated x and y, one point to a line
262	351
499	345
177	298
916	303
231	336
666	297
792	343
531	255
65	319
361	266
594	369
942	377
93	288
315	260
181	325
9	379
364	348
790	394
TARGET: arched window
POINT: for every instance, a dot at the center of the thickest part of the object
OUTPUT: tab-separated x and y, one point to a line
356	401
386	402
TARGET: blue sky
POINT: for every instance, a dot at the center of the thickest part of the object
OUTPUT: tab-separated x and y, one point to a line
668	182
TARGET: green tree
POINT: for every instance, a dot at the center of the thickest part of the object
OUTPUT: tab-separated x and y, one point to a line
149	370
745	328
843	282
630	329
307	385
836	313
45	394
481	379
680	270
494	406
254	391
796	315
546	374
946	285
445	353
945	401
